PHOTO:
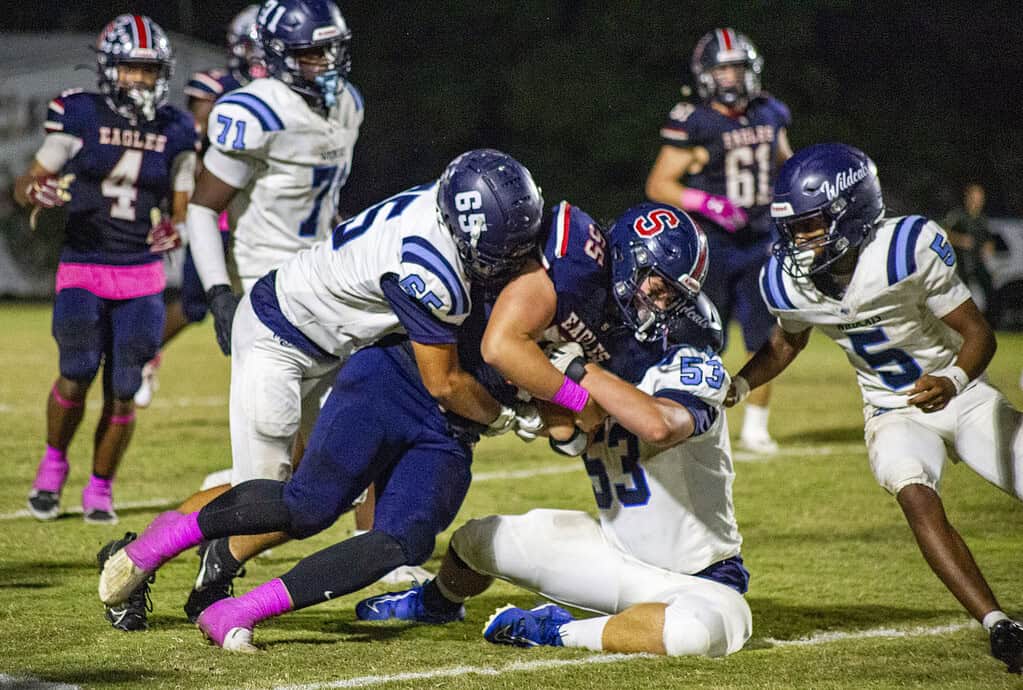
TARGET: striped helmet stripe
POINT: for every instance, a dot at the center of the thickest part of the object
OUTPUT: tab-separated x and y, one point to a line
563	222
141	31
726	38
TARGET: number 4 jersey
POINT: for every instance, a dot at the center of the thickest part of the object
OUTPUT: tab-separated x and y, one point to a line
888	322
288	160
671	507
122	170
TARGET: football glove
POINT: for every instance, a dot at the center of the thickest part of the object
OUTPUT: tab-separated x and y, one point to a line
568	359
737	392
528	422
573	446
164	235
222	303
50	191
503	423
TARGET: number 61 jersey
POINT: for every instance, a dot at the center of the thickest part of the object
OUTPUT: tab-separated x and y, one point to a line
294	160
671	507
888	322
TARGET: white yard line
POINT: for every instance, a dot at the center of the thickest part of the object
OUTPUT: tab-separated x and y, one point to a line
125	505
546	664
28	683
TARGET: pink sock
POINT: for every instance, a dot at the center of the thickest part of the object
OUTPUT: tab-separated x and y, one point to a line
167	535
98	494
53	470
266	601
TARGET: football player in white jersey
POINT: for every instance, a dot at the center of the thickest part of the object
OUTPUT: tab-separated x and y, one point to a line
280	149
404	265
886	291
663	562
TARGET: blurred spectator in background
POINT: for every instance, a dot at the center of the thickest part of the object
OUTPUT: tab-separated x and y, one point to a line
968	232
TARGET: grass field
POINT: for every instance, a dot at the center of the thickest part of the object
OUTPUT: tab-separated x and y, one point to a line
841	597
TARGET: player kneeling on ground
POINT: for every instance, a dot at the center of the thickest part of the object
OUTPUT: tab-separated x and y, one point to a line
663	561
886	291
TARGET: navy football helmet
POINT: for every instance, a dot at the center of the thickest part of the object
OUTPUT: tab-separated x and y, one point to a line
660	241
245	52
288	27
133	39
727	47
493	208
829	186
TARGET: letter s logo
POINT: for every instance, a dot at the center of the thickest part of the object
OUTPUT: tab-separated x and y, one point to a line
654	222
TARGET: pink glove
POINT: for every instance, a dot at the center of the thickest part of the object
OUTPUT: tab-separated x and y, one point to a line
717	209
163	236
47	192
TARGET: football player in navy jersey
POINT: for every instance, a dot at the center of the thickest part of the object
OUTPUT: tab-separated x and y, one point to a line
202	90
717	160
664	558
117	161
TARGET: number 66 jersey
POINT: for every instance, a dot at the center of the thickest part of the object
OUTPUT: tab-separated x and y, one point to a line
888	322
288	160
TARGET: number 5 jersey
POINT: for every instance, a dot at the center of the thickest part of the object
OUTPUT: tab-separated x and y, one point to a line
888	322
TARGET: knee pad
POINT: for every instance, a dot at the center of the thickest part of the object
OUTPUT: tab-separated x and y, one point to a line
474	543
706	624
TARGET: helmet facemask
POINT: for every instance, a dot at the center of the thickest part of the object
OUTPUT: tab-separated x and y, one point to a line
135	100
813	242
653	303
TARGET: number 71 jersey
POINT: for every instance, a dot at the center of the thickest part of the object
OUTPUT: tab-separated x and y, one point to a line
299	160
888	322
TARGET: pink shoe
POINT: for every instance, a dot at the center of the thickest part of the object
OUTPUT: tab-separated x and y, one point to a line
228	624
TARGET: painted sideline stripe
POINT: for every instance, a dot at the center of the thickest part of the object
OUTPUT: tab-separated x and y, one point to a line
546	664
518	667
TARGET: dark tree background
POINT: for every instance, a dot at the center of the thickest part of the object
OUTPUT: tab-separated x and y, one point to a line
578	90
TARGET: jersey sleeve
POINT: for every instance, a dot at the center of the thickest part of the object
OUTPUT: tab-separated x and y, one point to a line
354	108
695	379
682	128
432	279
575	252
774	290
942	288
204	86
242	124
71	113
780	113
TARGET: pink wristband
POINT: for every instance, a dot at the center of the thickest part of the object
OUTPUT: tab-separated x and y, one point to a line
571	396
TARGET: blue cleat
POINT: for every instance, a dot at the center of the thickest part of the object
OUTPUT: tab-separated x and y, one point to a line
405	606
522	628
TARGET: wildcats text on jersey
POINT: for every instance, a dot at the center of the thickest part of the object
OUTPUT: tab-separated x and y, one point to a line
132	138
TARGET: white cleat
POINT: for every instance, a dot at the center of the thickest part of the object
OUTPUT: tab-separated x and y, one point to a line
150	384
404	574
761	444
120	577
239	640
218	478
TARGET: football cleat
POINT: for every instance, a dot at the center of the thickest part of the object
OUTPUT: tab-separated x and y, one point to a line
150	383
98	506
761	444
227	625
119	577
1007	644
521	628
44	505
130	615
213	582
405	606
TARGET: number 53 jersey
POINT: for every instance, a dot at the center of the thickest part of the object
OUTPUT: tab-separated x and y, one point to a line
888	322
671	507
289	162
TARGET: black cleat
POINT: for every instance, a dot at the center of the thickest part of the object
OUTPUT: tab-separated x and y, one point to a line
215	581
1007	644
131	616
44	505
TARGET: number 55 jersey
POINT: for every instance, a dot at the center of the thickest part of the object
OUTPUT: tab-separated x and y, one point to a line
888	322
289	161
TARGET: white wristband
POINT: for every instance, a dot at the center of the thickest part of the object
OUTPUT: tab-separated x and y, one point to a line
741	386
956	375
